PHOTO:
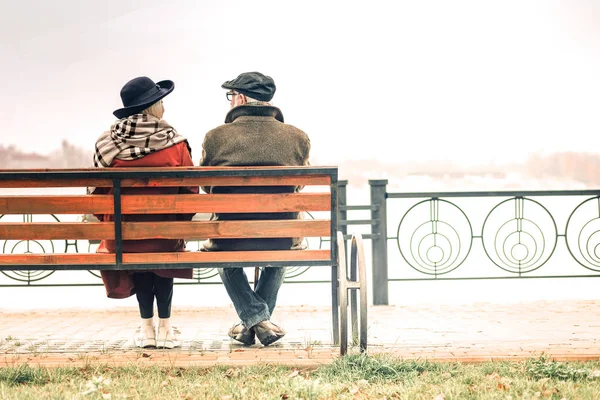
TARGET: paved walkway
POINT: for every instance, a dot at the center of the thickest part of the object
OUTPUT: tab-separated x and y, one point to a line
564	330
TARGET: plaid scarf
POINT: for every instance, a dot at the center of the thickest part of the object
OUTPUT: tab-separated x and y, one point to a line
135	137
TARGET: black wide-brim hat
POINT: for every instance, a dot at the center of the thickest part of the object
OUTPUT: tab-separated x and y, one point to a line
140	93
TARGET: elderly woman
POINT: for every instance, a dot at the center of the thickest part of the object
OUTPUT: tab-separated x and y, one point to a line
141	138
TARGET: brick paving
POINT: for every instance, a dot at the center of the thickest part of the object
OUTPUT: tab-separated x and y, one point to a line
475	332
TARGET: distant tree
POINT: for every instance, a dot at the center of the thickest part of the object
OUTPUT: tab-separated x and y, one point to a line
68	156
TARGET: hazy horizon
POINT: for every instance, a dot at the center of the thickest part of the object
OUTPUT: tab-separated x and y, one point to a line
463	81
556	171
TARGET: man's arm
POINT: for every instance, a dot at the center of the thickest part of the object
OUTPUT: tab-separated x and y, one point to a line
305	150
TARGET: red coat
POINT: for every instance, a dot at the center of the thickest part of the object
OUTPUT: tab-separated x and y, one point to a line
119	284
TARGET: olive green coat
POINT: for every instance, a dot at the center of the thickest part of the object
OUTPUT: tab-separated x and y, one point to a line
254	135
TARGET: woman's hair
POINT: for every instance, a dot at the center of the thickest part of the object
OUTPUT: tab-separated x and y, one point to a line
155	110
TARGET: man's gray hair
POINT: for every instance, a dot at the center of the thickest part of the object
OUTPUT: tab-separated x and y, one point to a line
250	100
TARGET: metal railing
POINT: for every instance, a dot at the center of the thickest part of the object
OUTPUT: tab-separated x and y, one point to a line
517	231
441	236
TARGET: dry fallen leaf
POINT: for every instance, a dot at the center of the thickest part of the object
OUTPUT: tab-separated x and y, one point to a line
231	372
354	389
294	373
493	376
549	392
440	397
227	397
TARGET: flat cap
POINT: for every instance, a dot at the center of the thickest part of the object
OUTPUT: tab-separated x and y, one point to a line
252	84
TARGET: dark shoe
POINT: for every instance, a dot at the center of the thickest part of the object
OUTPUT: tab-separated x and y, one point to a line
267	332
242	334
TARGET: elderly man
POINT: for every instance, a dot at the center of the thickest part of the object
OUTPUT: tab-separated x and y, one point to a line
254	134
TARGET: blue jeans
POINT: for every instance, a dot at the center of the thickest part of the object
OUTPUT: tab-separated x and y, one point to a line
253	306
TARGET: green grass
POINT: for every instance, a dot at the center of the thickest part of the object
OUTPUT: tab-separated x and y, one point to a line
351	377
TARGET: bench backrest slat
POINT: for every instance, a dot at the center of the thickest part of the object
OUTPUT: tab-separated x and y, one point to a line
175	176
47	204
154	182
183	257
166	204
197	230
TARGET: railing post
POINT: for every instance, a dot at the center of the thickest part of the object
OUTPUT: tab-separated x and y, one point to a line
379	241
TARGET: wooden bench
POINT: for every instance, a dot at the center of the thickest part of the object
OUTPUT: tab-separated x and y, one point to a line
319	196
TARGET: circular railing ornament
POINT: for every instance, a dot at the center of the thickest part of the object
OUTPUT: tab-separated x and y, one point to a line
518	241
440	236
28	247
582	234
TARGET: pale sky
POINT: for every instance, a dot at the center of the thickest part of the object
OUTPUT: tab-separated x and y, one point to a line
463	81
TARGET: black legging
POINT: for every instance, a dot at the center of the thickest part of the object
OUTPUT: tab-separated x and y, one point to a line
149	285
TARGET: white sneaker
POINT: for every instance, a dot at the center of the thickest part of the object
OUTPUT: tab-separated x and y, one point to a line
166	338
145	336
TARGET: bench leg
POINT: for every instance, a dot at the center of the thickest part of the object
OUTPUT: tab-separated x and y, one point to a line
342	279
358	263
357	267
335	306
354	296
